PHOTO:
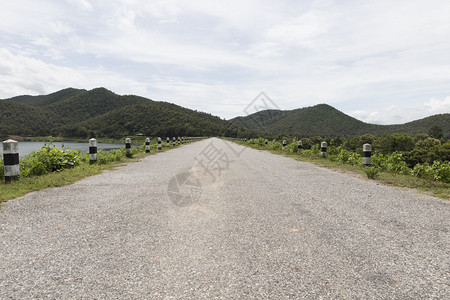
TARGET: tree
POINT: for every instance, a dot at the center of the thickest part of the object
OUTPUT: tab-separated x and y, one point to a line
435	131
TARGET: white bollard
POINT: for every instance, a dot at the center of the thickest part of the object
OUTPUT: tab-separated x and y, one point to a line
174	143
159	143
284	144
266	142
128	146
300	146
367	154
92	151
147	145
11	160
179	140
168	142
323	149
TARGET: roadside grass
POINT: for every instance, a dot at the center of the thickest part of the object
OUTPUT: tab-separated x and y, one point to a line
426	186
25	185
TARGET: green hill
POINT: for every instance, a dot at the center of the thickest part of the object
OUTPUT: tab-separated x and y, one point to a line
325	120
43	100
100	112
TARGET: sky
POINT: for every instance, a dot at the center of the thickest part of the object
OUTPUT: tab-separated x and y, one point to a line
384	62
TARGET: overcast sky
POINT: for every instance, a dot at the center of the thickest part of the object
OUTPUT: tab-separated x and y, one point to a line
380	61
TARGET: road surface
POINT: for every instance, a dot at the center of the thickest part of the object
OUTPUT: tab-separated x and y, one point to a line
215	220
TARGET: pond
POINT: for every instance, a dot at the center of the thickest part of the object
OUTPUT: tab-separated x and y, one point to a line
26	148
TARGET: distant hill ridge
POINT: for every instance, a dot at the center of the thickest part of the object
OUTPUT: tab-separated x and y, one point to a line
102	113
325	120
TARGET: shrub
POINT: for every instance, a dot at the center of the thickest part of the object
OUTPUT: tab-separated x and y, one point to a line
104	157
371	172
258	141
392	162
275	146
423	171
50	159
441	171
292	147
315	150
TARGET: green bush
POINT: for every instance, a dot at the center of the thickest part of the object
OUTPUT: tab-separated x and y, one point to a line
292	147
391	162
50	159
258	141
441	171
275	146
371	172
315	150
423	171
104	157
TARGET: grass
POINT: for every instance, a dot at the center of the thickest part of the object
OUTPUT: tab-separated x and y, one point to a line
429	187
26	185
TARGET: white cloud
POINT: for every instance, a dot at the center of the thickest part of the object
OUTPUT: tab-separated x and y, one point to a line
82	4
438	105
395	114
23	75
303	30
218	56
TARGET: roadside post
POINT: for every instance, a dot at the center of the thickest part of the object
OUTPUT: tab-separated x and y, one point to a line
92	151
147	145
367	154
323	149
300	146
11	160
128	147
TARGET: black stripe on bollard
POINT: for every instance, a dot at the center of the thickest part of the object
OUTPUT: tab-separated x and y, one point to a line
11	159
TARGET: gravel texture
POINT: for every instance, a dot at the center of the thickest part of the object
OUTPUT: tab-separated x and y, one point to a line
259	226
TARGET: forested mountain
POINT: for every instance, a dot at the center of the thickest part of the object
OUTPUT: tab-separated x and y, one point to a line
101	113
43	100
325	120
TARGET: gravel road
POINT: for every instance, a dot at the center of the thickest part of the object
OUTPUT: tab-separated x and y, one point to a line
214	220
